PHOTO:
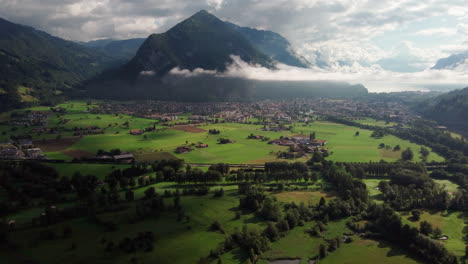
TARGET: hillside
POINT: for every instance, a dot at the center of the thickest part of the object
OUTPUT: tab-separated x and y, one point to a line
450	109
122	49
38	67
273	45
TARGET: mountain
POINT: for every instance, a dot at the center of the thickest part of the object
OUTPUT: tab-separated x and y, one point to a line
450	109
37	67
120	49
272	44
201	47
201	41
451	62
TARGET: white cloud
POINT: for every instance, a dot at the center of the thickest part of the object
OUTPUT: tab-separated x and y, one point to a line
374	77
437	31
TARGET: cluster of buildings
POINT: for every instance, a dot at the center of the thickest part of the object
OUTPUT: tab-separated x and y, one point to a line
29	118
20	149
299	145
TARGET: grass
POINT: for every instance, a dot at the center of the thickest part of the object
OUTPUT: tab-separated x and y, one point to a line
449	185
302	197
343	144
295	245
368	251
374	122
451	224
99	170
176	242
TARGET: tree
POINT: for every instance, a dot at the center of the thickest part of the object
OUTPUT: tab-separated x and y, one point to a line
357	133
416	214
322	251
382	145
437	233
312	136
424	153
425	227
322	202
271	232
397	148
150	192
407	155
129	196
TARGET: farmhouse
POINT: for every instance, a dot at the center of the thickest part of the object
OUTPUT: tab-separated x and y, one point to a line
25	143
318	142
202	145
124	157
136	132
34	153
10	152
183	149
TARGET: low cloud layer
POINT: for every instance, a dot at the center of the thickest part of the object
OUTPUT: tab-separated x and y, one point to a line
374	77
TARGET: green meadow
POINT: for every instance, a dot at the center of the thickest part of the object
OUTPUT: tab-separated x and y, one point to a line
451	224
375	122
343	144
191	236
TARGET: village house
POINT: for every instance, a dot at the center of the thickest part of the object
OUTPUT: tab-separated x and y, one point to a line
124	157
25	143
136	132
318	142
202	145
34	153
10	152
183	149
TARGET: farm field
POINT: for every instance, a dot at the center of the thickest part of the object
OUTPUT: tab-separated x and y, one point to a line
343	144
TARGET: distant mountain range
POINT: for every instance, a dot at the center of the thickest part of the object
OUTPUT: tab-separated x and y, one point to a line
39	68
272	44
451	62
205	44
123	49
450	109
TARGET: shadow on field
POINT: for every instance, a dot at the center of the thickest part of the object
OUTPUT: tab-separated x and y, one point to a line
394	250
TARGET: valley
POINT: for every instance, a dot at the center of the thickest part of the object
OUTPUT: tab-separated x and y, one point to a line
148	133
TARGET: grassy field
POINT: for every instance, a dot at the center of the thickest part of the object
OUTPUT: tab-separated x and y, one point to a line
449	186
176	242
451	224
343	144
305	197
372	185
299	245
374	122
368	251
99	170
